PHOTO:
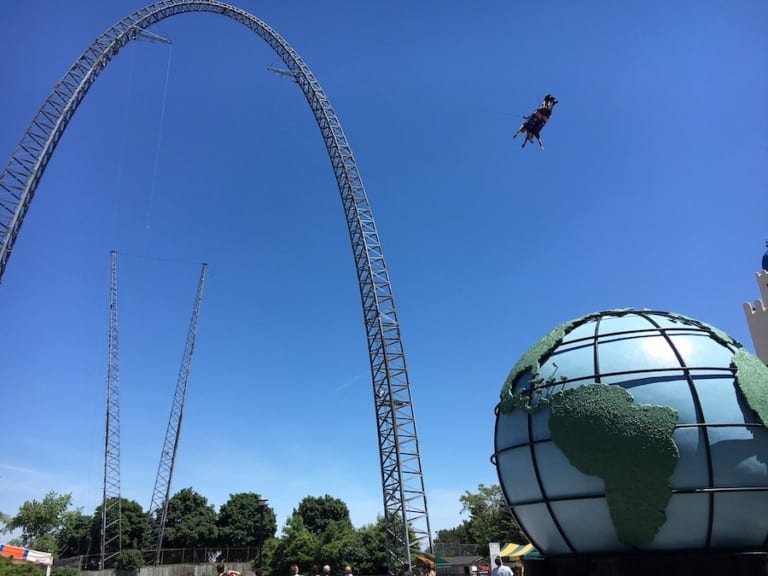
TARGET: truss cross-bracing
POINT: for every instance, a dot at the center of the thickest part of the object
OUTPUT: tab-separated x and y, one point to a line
111	504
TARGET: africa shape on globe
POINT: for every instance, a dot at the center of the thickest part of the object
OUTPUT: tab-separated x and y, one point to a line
633	429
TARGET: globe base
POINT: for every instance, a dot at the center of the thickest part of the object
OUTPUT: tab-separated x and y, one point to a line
668	564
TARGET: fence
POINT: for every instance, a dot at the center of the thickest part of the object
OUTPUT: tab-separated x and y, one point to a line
199	570
446	549
203	560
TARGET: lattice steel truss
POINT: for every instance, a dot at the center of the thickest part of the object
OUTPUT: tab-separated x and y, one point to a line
158	507
402	478
111	504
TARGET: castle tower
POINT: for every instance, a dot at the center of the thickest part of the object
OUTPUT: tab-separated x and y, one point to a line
757	313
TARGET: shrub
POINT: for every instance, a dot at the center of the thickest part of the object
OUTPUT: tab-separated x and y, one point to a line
65	571
130	560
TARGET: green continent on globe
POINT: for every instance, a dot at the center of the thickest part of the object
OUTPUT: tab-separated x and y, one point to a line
630	447
530	362
752	380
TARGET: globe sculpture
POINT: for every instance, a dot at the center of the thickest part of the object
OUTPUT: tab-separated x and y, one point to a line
636	430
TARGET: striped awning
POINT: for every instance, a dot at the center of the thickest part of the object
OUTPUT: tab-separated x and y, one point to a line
26	555
514	551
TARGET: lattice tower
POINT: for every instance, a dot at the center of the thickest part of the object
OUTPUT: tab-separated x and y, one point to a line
158	507
111	512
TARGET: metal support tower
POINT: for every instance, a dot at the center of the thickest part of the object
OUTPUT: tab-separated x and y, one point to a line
111	512
405	503
158	508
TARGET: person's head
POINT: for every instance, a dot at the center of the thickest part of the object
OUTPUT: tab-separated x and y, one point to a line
326	569
313	570
220	568
347	569
293	570
497	561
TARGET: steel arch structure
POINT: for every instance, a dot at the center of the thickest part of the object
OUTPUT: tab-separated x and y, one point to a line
405	503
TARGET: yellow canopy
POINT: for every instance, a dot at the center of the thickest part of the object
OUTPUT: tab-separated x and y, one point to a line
515	551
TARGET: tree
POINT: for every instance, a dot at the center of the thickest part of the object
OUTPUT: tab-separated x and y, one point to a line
39	522
240	520
318	512
297	546
74	536
129	560
134	525
340	544
268	555
190	522
373	544
489	518
4	520
320	532
460	534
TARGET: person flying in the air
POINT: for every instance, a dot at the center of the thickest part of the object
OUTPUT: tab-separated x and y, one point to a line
535	122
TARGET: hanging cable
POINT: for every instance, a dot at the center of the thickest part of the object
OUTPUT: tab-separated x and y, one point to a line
123	139
157	154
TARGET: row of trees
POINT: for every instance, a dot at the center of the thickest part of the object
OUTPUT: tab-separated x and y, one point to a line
50	525
319	531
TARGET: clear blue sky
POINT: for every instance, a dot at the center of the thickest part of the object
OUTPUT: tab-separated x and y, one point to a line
651	193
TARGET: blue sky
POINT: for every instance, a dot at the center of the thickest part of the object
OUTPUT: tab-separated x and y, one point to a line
650	193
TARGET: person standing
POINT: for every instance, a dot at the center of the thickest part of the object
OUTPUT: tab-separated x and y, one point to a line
501	569
222	570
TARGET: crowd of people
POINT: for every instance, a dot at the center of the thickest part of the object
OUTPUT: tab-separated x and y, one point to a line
293	570
499	570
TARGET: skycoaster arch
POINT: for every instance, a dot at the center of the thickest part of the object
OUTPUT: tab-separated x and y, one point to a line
405	505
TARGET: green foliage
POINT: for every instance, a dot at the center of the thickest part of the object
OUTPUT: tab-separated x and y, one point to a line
340	544
240	518
134	525
373	542
319	531
8	568
190	522
64	571
73	538
129	560
318	512
460	534
337	545
268	554
40	521
489	520
298	546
